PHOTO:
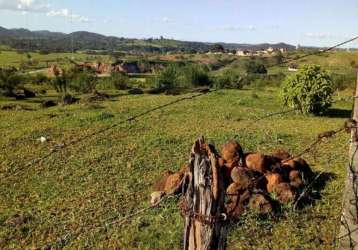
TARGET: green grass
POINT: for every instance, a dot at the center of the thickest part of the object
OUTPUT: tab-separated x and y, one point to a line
69	197
13	58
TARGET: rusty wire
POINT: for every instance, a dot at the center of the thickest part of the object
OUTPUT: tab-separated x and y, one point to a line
320	137
60	146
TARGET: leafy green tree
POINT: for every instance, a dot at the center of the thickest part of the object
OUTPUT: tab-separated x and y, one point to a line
217	48
60	82
119	81
169	77
83	82
278	58
9	80
254	67
229	79
195	75
310	90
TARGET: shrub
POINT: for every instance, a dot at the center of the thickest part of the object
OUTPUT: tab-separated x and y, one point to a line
168	78
310	90
254	67
9	80
217	48
60	82
39	79
83	82
229	79
195	75
115	81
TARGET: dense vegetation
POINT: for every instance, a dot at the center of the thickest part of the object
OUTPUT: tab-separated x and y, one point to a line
310	90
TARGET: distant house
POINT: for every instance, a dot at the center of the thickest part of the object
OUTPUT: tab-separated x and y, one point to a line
243	53
270	50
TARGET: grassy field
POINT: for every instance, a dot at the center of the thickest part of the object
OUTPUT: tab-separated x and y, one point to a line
70	199
13	58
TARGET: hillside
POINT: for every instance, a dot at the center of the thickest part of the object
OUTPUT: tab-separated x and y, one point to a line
24	39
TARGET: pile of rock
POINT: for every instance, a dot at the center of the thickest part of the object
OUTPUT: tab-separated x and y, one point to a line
253	181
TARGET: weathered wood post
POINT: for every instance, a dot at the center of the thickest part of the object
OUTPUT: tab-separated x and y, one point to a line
348	236
204	201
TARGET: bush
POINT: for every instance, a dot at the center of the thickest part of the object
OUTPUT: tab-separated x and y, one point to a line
115	81
9	80
195	75
168	78
39	79
310	90
175	76
254	67
60	83
83	82
229	79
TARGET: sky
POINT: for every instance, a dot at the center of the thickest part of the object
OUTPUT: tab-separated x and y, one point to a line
304	22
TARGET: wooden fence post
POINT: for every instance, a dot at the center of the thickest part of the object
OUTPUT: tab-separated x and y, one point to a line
205	226
348	236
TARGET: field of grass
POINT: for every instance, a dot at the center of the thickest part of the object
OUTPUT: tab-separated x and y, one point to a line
70	199
13	58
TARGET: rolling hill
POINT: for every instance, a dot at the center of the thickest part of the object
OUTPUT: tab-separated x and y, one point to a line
24	39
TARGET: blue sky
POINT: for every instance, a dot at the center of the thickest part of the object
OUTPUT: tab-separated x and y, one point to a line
305	22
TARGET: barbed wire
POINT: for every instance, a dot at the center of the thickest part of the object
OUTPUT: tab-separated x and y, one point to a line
64	145
59	147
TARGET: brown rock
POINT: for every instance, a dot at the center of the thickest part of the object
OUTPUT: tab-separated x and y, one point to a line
184	169
257	162
241	177
237	204
260	204
273	180
281	154
159	185
231	151
234	188
172	183
304	168
295	179
292	164
155	197
284	192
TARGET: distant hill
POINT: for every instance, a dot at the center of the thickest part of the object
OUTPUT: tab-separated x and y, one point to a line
24	39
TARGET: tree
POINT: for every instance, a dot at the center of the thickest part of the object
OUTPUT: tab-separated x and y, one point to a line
9	80
279	58
217	48
60	82
168	78
310	90
254	67
194	75
83	82
229	79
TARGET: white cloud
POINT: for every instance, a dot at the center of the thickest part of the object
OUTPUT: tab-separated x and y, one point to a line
24	5
40	6
66	13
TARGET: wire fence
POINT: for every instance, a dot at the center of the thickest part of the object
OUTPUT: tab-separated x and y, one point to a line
127	218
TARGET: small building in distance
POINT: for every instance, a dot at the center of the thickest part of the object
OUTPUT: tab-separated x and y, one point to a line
243	53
